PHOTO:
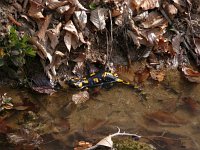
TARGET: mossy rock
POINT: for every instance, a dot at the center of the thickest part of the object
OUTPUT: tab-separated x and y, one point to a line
129	144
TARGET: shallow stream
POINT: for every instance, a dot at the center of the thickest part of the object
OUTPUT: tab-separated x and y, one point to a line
62	123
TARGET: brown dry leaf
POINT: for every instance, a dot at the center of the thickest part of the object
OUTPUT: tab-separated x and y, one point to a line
69	26
41	33
44	90
144	4
80	19
98	17
164	118
171	10
197	44
35	10
157	75
2	53
77	4
80	97
192	105
154	19
125	73
142	75
53	4
54	35
136	39
63	9
176	41
82	145
164	46
42	50
191	75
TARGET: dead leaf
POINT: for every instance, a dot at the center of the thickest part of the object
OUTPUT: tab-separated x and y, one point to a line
164	118
191	104
176	41
144	4
35	10
69	26
77	4
157	75
153	20
21	107
142	75
191	75
53	4
54	35
41	33
68	40
42	50
63	9
197	44
80	97
164	46
80	19
44	90
13	21
98	17
82	145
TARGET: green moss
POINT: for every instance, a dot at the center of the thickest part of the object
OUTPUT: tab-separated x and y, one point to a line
129	144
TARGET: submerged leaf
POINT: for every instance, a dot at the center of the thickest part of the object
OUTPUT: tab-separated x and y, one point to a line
98	17
80	97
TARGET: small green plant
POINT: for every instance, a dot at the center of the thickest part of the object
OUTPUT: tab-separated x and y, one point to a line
14	47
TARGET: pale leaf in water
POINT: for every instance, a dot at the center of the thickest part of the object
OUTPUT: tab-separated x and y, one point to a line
54	35
80	97
98	17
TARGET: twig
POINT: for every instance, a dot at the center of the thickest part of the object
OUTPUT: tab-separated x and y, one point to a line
10	17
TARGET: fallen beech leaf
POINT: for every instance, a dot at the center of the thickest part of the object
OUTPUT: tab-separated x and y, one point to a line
154	19
144	4
164	118
157	75
63	9
42	50
77	4
191	75
98	17
80	19
176	41
54	35
44	90
21	107
80	97
69	26
35	10
53	4
68	40
136	39
41	33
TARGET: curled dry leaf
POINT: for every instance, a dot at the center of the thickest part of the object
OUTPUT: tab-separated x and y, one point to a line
80	19
176	41
98	17
154	19
77	4
142	75
136	39
41	33
191	75
157	75
69	26
35	10
54	35
68	40
80	97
